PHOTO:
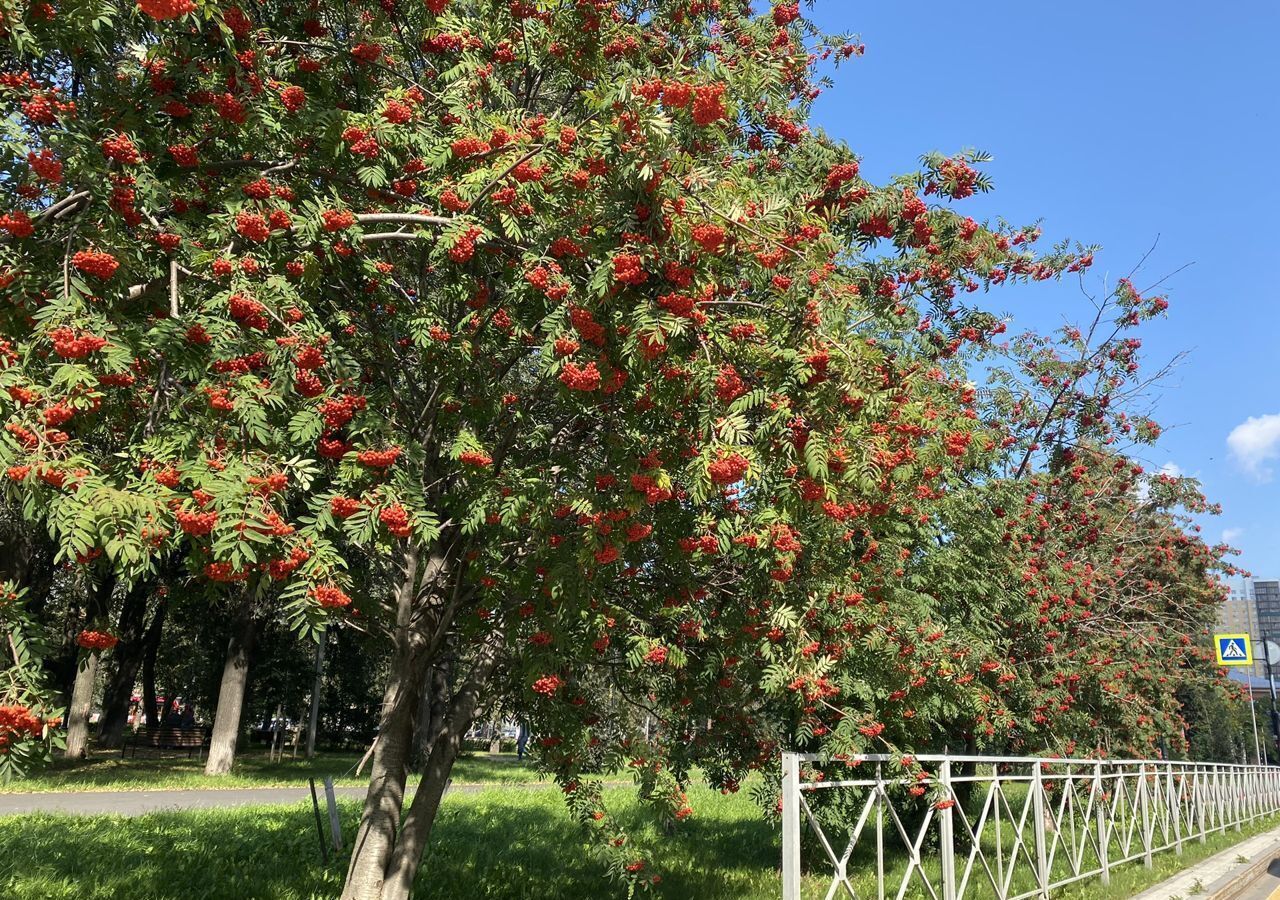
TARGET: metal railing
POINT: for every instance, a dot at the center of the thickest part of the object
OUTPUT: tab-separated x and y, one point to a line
1005	827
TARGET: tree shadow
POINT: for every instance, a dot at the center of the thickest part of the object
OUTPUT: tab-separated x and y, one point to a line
496	844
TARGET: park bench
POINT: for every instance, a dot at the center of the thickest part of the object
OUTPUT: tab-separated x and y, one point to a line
167	737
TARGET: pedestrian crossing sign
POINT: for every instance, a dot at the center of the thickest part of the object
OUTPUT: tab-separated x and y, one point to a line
1233	649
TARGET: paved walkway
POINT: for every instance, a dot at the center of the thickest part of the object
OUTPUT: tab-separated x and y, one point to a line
137	803
1205	876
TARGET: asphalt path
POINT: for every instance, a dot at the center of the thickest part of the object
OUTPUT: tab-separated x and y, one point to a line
137	803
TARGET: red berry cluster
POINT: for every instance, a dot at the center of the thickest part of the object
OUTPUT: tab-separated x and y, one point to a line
338	411
247	311
547	685
330	597
95	263
293	98
708	104
280	569
629	269
476	458
469	146
785	13
729	385
379	459
169	478
709	237
69	345
224	572
465	247
121	149
184	155
344	507
337	220
307	383
252	226
396	518
657	656
196	524
96	640
309	358
397	113
728	469
18	224
17	723
166	9
580	378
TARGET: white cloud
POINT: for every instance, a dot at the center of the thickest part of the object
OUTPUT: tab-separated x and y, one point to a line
1256	442
1231	535
1172	469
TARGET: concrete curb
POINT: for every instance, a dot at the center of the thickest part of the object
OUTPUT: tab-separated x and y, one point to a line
1233	884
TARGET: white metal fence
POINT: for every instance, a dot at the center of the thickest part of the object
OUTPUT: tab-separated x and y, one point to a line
1026	827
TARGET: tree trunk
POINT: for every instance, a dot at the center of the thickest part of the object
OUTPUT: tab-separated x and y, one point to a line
313	717
126	660
150	705
432	713
235	678
387	850
411	842
86	675
375	838
78	713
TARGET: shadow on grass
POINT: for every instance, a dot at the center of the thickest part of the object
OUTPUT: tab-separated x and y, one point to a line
495	844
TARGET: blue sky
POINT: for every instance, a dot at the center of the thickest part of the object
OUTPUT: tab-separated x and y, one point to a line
1114	123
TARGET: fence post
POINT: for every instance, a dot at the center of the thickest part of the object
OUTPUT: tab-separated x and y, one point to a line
1175	811
1100	816
790	826
947	834
1218	779
881	801
1144	801
1201	802
1237	796
1042	847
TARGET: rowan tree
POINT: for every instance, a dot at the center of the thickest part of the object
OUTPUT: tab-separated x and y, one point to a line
561	315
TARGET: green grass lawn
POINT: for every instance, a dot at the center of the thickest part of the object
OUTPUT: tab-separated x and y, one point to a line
107	772
495	844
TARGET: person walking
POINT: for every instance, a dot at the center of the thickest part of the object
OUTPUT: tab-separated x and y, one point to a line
522	740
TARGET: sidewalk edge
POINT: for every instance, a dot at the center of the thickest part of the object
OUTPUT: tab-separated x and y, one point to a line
1233	884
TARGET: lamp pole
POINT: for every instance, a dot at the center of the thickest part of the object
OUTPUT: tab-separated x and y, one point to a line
1275	714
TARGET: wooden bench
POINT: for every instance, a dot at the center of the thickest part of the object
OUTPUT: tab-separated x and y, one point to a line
167	737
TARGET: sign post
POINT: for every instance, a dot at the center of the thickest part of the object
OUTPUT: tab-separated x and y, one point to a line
1237	650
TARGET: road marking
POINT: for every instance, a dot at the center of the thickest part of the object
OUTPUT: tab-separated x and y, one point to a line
1274	895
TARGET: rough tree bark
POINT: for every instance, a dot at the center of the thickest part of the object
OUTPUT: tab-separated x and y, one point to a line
235	678
86	678
411	842
78	712
126	660
383	803
432	712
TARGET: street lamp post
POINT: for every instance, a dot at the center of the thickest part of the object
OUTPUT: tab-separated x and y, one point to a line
1275	714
